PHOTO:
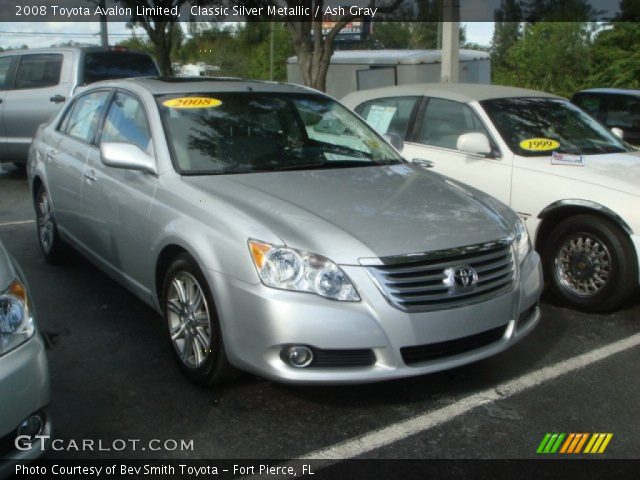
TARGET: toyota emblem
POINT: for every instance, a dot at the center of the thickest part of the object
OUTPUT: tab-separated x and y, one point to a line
461	278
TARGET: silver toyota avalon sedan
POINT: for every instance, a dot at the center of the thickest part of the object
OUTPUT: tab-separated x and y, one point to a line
277	233
24	375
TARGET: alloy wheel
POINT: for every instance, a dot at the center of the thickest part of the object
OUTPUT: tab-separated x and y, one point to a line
583	264
189	319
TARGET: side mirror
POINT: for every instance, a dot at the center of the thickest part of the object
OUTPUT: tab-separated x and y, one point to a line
395	140
618	132
475	143
127	156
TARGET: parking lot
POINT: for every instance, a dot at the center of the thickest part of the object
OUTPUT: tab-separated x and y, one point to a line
113	377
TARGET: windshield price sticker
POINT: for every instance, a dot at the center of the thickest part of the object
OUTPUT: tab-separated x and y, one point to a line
192	102
539	144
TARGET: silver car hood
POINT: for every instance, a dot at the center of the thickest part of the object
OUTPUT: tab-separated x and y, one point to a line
354	213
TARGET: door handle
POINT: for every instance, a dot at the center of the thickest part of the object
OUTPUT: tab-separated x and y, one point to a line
57	99
90	177
423	163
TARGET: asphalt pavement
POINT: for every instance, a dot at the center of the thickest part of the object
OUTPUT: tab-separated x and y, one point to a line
113	377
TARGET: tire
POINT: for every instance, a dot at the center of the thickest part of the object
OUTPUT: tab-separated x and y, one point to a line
49	239
199	347
590	264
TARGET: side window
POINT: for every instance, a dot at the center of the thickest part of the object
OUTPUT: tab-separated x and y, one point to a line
127	122
83	119
5	66
590	104
388	115
445	120
623	112
38	71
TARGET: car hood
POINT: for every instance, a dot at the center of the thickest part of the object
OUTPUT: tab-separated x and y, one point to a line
354	213
618	171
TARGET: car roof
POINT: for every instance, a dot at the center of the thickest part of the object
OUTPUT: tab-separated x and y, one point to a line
74	48
169	85
460	92
618	91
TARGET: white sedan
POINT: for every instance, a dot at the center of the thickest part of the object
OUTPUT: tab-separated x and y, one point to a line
575	183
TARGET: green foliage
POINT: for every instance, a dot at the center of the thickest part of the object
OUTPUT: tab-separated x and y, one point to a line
565	57
615	57
258	65
240	50
140	44
407	35
550	56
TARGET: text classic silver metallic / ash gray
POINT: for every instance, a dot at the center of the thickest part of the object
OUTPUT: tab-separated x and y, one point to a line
277	233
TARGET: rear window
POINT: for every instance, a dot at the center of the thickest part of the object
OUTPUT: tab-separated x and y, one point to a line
109	65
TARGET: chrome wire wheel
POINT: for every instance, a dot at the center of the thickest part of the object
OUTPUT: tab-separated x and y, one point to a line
46	225
189	319
583	264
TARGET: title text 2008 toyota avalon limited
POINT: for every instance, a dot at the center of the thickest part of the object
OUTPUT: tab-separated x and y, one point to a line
277	233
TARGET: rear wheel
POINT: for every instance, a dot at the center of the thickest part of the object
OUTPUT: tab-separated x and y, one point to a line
192	324
48	237
590	263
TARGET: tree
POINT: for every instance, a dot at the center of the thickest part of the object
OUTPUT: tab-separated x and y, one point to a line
564	11
164	32
506	33
313	48
615	57
138	44
551	56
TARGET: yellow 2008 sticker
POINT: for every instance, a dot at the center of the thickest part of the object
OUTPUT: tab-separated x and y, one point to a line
192	102
539	144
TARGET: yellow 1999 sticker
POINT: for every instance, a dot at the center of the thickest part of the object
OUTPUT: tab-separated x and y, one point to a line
539	144
192	102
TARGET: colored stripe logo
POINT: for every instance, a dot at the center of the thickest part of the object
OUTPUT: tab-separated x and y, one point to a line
573	443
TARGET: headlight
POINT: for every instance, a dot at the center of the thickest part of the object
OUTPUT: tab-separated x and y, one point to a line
521	242
16	322
290	269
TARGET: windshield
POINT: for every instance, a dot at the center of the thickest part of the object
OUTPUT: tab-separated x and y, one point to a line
536	126
226	133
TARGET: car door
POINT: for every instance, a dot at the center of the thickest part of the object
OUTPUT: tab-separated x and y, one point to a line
117	201
66	155
38	92
434	137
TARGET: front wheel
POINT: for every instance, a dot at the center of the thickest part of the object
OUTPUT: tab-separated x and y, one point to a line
192	324
590	263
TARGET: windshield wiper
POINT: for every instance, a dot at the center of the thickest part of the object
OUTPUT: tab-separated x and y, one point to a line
325	165
333	148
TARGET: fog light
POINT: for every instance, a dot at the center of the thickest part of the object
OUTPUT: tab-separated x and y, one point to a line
299	356
31	427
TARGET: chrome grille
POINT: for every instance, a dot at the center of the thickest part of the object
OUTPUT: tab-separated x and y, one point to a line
416	283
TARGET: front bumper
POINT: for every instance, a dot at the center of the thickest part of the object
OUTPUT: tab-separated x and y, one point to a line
258	322
24	391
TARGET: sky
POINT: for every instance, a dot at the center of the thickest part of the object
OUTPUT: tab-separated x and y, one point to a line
45	34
